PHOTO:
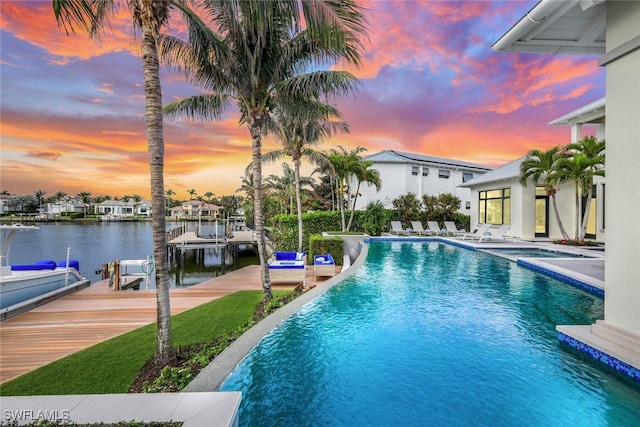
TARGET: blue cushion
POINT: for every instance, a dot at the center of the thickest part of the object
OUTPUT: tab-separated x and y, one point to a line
324	259
40	265
72	263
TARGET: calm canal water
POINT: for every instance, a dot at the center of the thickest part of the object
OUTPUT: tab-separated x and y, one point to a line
94	244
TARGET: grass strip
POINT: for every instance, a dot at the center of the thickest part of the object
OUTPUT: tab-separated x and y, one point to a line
112	366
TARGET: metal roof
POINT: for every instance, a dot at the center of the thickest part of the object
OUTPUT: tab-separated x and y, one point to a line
558	26
393	156
509	171
590	113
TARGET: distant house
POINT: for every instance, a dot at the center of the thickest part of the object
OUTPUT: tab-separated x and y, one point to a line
121	208
403	173
5	204
497	197
194	208
66	206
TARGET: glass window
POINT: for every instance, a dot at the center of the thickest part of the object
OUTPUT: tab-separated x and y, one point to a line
467	176
540	191
414	170
495	207
425	171
444	173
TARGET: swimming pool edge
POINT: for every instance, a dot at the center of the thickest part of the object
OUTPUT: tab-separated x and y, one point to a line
216	372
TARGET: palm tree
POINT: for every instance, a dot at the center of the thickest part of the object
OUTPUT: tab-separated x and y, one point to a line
169	193
543	164
40	195
208	195
363	173
60	195
298	134
86	199
148	16
192	194
260	57
589	154
345	164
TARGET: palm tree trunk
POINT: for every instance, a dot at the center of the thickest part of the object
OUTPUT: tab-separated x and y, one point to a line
565	235
155	141
341	201
296	163
255	128
353	208
585	218
577	216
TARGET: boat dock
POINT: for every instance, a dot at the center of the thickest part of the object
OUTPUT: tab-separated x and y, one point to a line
95	314
189	240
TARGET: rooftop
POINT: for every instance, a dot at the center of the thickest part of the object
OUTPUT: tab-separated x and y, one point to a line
393	156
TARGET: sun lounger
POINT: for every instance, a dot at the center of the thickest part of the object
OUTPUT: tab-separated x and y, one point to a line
452	228
418	228
497	234
434	227
396	227
323	265
288	267
481	231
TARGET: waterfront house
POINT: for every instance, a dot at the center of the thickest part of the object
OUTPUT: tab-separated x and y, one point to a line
608	30
402	173
194	209
497	197
65	207
122	208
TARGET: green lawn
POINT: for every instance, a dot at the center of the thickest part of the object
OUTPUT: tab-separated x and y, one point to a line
112	366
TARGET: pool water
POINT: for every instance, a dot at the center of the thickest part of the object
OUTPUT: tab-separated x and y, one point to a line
430	334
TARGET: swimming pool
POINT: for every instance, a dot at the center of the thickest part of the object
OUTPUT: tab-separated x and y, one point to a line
427	333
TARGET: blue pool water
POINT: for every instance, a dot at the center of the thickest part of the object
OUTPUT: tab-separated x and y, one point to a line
535	253
430	334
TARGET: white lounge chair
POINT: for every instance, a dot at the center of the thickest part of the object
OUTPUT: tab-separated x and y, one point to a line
434	227
396	227
418	228
481	231
452	228
497	234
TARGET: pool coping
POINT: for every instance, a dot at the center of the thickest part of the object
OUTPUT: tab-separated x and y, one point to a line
215	373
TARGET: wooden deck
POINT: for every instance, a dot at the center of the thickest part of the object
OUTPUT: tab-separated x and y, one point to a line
189	239
95	314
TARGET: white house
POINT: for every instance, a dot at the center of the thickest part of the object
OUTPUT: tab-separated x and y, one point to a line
402	173
497	197
121	208
5	204
194	208
609	29
66	206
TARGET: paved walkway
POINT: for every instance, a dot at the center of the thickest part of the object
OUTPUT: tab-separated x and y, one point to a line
95	314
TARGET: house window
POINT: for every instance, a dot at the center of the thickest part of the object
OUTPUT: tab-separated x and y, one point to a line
495	206
444	173
415	170
425	171
467	205
467	176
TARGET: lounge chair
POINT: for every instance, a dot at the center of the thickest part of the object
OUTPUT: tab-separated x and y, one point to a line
288	267
323	265
418	228
434	227
452	228
497	234
396	227
481	231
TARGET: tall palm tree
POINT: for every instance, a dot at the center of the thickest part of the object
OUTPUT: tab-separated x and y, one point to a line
40	195
262	55
169	193
192	194
543	164
148	16
345	164
298	134
594	152
363	173
86	199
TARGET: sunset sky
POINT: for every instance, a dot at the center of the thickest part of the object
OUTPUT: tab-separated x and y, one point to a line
72	108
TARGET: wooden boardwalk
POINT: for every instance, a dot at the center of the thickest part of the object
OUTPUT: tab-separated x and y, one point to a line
95	314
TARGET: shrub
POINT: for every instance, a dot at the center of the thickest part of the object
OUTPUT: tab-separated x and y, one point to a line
326	245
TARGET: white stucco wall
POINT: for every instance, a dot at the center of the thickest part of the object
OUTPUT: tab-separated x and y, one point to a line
622	259
397	180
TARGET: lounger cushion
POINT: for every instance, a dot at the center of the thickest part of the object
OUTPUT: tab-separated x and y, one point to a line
40	265
325	259
286	264
288	256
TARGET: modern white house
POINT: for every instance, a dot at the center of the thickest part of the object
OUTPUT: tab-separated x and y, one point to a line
120	208
497	197
402	173
611	30
194	209
66	206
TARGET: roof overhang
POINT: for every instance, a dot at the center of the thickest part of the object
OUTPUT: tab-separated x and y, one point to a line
593	113
559	27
